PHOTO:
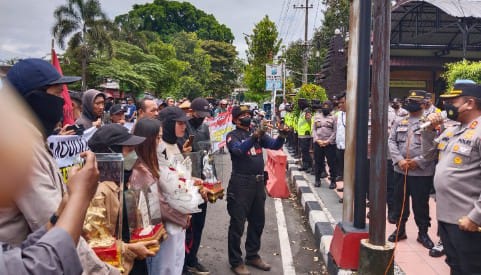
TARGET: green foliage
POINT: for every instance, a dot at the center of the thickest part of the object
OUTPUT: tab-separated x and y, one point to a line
335	17
310	91
170	17
263	45
462	70
256	97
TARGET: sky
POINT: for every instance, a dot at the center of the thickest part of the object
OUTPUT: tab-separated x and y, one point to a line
25	25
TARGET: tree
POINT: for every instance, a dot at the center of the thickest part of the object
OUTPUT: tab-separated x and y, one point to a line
335	17
310	91
263	45
462	70
294	61
86	25
170	17
223	68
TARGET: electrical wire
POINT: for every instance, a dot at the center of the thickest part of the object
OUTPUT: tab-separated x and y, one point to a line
279	22
398	224
317	11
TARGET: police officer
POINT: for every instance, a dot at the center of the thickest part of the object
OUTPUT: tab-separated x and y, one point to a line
324	137
288	122
458	176
304	135
412	169
246	191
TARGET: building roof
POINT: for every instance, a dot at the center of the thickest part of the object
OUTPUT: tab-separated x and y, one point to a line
436	24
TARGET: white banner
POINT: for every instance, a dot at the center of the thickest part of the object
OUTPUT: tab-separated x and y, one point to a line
66	149
273	77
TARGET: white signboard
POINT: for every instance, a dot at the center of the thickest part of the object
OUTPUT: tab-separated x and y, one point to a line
273	77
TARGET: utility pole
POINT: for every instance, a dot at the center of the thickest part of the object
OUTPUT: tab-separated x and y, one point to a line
306	43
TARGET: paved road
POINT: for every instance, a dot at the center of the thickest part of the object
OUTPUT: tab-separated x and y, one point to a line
305	256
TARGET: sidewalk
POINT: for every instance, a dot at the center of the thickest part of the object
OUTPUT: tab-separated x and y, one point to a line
324	211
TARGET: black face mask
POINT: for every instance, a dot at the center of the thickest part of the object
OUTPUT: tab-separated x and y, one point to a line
196	121
326	111
452	112
245	121
48	108
412	106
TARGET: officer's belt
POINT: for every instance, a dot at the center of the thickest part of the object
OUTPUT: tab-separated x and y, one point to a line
258	178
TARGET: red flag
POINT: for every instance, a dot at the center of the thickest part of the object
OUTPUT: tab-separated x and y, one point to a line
67	107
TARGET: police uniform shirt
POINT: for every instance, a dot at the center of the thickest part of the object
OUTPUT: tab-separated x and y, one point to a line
405	143
458	173
324	127
246	151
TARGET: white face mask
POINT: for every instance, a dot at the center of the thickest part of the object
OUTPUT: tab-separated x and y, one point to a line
129	160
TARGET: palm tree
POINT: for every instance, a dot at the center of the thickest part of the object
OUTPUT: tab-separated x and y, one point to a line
87	26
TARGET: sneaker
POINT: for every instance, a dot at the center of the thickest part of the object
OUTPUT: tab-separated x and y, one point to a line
437	250
198	269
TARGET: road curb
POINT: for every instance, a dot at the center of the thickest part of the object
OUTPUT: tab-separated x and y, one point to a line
320	219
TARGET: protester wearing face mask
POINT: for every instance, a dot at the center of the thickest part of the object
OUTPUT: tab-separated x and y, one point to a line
324	137
457	177
114	138
246	191
412	169
93	103
40	86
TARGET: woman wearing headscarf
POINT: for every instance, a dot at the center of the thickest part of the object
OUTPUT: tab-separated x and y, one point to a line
93	104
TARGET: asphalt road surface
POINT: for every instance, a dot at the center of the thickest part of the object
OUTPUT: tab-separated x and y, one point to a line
294	252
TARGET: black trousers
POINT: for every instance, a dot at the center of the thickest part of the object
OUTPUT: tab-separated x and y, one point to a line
193	236
340	162
390	188
320	154
296	144
417	187
305	146
245	202
463	249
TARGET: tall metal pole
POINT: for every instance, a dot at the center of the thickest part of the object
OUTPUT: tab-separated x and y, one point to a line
379	117
305	58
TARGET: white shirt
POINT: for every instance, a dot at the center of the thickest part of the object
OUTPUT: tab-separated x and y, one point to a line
341	131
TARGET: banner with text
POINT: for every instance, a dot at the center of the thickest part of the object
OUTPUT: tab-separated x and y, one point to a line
273	77
219	127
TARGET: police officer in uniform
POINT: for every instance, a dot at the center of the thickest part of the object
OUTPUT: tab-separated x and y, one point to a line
324	137
246	191
304	134
457	180
412	169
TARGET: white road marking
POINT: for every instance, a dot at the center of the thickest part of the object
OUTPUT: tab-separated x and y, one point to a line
286	254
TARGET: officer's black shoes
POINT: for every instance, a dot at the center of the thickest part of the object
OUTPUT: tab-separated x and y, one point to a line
437	250
198	269
323	175
339	178
332	185
303	169
402	236
340	189
317	183
240	270
259	264
423	238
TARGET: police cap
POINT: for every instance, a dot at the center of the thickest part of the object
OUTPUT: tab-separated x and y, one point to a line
464	89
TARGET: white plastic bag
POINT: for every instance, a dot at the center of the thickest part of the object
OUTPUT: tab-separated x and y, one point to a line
186	198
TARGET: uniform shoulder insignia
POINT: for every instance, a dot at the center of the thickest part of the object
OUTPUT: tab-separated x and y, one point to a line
473	124
404	122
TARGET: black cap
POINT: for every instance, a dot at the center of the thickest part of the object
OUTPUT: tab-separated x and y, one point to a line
464	89
117	109
34	73
417	95
239	110
172	113
328	103
201	107
113	134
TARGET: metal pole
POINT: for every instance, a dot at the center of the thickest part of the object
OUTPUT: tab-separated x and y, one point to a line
305	65
380	95
362	173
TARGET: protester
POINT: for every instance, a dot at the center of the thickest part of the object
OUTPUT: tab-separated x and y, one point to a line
131	113
40	86
200	143
221	108
170	102
246	191
116	138
456	180
146	171
324	137
147	108
76	105
93	103
412	170
117	114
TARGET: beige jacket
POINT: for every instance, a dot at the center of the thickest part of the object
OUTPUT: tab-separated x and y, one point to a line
37	204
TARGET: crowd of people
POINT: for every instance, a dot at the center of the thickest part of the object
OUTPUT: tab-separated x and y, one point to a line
45	226
443	158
